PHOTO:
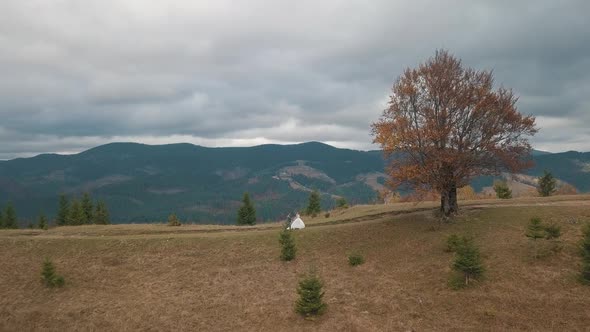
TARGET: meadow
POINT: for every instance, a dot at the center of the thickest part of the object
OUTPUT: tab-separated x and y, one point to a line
224	278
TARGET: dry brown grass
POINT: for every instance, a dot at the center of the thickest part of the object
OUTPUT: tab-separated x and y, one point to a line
211	278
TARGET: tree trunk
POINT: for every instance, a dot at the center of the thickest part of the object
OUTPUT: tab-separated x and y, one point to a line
448	201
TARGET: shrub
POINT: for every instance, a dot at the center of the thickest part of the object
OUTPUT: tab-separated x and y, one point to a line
341	203
48	275
468	262
287	242
552	232
327	215
310	302
173	220
355	259
502	190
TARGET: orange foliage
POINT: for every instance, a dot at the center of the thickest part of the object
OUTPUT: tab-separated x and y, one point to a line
445	124
466	193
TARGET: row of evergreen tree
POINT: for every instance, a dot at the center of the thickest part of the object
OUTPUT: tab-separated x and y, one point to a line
8	217
81	212
247	212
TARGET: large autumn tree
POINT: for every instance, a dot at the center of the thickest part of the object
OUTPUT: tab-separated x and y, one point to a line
446	124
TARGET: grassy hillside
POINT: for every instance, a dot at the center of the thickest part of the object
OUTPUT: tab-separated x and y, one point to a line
216	278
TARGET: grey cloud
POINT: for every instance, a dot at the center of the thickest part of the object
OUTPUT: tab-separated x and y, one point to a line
79	74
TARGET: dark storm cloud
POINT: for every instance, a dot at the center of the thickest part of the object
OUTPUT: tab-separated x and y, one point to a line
78	74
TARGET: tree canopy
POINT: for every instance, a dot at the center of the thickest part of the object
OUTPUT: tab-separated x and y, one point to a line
446	124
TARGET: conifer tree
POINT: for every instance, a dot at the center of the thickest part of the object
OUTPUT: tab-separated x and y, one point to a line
547	184
76	214
535	230
502	190
288	249
310	302
10	220
468	261
87	208
586	254
314	206
42	222
63	211
247	212
341	203
101	215
173	220
48	275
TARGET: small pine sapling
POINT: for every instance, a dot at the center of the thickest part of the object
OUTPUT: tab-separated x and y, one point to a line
468	262
534	231
287	242
42	222
48	275
552	232
173	220
310	290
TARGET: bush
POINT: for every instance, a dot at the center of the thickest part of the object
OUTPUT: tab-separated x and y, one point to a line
355	259
502	190
341	203
173	220
327	215
48	275
310	302
287	242
552	232
468	262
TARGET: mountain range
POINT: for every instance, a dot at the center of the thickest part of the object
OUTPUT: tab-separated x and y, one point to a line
146	183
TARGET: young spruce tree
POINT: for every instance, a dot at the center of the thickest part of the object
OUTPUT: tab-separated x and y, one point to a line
468	261
76	214
547	184
534	231
247	212
42	224
287	242
10	220
48	275
502	190
87	209
101	215
311	294
173	220
63	211
314	206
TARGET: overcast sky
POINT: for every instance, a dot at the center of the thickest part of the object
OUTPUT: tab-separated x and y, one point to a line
75	74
